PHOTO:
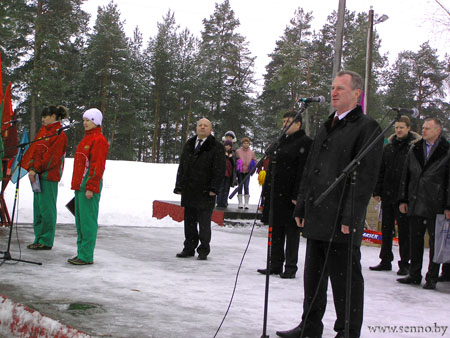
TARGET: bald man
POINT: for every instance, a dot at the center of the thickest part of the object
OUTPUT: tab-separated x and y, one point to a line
200	173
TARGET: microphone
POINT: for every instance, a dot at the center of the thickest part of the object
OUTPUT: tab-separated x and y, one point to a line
319	99
67	126
12	121
414	112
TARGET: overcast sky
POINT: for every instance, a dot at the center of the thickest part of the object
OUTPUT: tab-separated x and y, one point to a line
410	23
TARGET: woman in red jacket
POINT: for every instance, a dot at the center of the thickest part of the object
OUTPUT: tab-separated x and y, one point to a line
88	168
44	161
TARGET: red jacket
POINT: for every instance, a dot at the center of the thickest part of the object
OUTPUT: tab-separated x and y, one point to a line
89	161
46	156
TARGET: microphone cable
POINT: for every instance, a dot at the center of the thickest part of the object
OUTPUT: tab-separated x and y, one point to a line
239	268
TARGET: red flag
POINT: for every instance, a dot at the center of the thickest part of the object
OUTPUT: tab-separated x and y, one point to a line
7	111
1	80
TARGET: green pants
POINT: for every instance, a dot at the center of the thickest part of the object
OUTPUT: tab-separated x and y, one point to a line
44	213
86	216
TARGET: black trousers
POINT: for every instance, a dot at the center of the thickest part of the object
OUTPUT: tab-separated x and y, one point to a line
418	225
224	191
336	270
288	234
202	217
390	213
446	269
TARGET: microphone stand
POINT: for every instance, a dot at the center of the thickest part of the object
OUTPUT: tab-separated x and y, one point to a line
272	152
6	254
349	172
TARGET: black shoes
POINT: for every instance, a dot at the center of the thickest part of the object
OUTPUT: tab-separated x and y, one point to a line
430	285
202	257
287	275
444	278
272	271
410	280
38	246
403	271
383	266
184	254
296	333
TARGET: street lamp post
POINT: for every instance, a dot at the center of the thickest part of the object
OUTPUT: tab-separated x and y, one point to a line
369	55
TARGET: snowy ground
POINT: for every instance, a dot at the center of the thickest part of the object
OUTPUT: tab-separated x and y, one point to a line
137	288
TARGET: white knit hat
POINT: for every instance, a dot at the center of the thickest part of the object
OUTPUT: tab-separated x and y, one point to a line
94	115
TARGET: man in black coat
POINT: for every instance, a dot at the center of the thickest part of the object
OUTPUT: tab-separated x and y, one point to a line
200	173
424	193
291	155
327	226
386	191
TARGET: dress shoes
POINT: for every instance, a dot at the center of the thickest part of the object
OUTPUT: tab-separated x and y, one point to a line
402	271
272	271
430	285
410	280
383	266
287	275
184	254
295	333
202	257
444	278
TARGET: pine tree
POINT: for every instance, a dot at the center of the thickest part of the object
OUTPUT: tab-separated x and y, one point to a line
227	72
107	81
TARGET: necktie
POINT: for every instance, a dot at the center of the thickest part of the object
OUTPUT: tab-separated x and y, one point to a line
199	144
334	121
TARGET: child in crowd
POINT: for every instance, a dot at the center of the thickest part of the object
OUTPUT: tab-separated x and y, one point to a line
88	168
44	161
245	163
231	136
229	179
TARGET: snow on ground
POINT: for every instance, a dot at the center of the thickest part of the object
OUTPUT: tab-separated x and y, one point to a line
137	288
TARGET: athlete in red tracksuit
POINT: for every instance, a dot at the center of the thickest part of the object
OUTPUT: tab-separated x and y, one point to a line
45	158
88	168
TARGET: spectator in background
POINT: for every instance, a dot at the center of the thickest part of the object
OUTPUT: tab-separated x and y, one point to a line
246	161
292	153
231	136
386	191
230	177
200	173
424	193
44	161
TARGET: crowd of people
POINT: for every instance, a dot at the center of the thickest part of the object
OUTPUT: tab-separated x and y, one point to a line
44	161
409	176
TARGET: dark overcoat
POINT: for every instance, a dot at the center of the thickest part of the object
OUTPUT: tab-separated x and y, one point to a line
425	184
200	173
290	161
394	157
333	149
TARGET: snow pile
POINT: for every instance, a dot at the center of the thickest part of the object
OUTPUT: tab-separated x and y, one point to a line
24	322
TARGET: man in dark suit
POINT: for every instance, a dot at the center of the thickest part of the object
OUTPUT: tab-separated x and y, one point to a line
386	191
292	153
424	193
200	173
328	225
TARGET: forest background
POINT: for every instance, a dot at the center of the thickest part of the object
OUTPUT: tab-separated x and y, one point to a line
153	92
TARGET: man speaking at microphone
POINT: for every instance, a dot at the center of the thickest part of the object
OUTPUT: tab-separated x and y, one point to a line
327	225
